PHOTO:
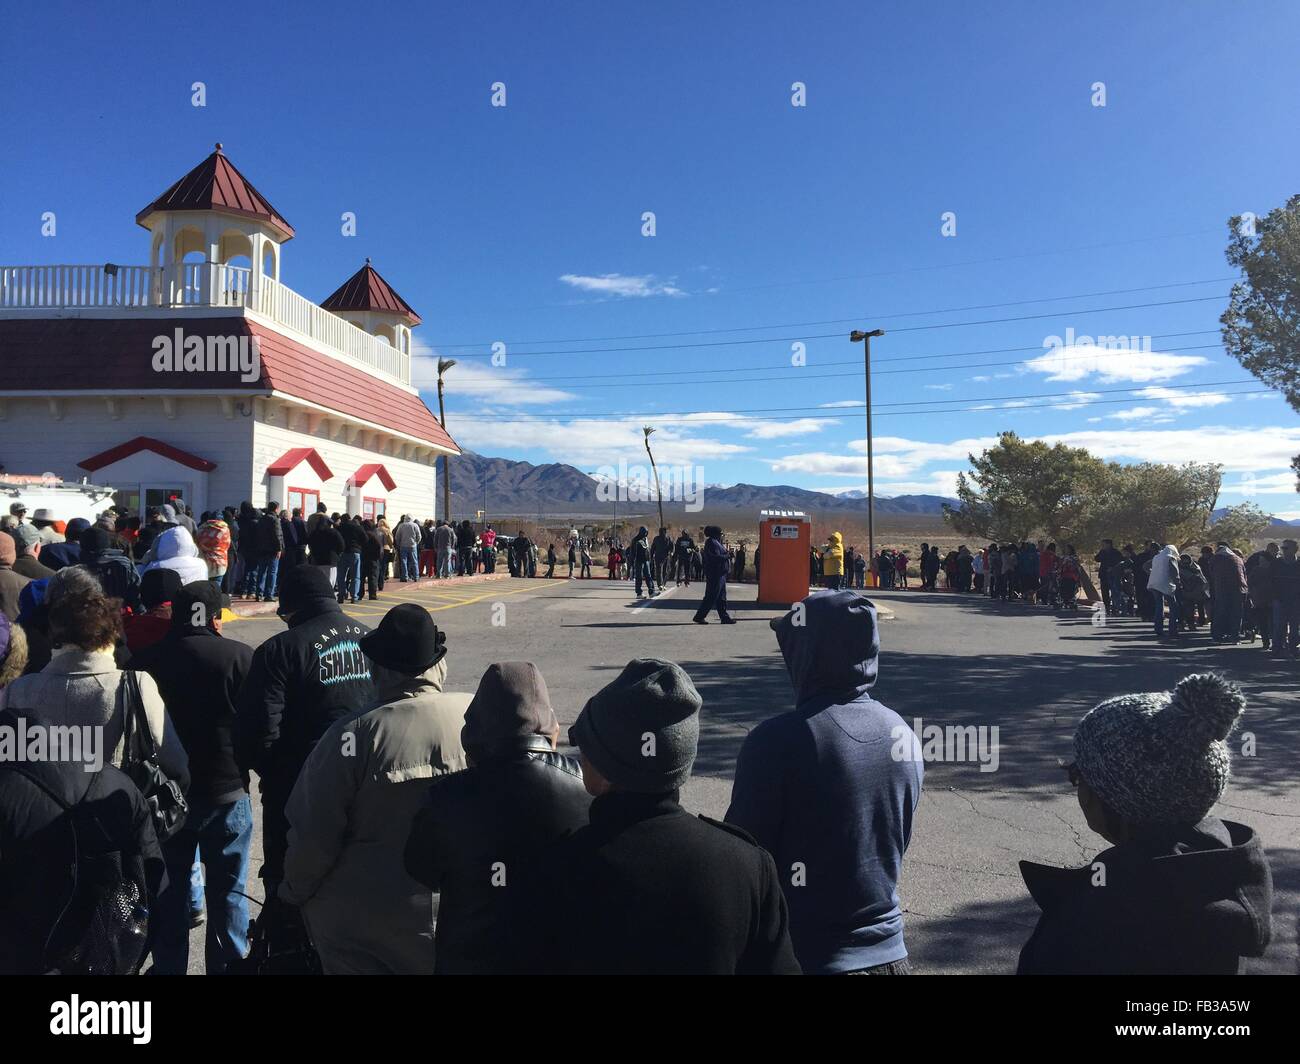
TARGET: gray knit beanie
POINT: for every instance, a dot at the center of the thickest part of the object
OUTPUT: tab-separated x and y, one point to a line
642	730
1160	759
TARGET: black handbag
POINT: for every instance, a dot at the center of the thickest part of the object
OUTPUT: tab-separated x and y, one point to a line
163	795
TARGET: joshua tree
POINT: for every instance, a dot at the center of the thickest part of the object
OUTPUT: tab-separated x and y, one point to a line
655	469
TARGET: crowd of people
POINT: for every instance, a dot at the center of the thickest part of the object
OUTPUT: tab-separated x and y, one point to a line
411	828
1235	596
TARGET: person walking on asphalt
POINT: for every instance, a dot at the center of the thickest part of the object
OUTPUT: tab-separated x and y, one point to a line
715	578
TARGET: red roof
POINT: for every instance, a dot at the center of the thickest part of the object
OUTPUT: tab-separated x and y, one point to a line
362	475
52	355
146	443
294	457
366	290
217	185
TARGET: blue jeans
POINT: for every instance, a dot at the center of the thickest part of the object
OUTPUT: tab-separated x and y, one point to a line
1225	616
223	835
409	561
1286	625
1159	600
268	577
196	884
349	579
444	563
1115	581
644	572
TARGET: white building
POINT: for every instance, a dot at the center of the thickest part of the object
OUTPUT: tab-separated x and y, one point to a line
202	376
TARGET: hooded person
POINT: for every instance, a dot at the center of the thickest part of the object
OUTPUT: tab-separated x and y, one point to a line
843	759
716	565
645	887
11	583
301	681
476	827
60	555
351	809
1163	585
116	573
1184	893
638	562
833	561
175	549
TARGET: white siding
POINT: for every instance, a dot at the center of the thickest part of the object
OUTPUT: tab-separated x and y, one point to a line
416	481
34	441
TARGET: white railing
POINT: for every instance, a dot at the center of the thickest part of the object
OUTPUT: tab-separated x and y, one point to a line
195	284
297	312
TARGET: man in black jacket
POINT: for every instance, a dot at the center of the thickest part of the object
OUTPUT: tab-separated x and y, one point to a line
354	542
372	551
270	548
199	675
479	828
645	887
40	917
300	682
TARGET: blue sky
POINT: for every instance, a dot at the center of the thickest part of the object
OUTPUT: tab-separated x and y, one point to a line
523	224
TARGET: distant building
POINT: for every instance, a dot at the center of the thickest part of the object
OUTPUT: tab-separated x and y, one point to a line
202	376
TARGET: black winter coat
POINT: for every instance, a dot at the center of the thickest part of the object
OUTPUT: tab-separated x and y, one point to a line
199	675
1195	904
475	832
36	847
324	545
646	887
270	536
354	536
300	682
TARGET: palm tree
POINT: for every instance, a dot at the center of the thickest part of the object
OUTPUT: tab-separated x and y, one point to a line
658	495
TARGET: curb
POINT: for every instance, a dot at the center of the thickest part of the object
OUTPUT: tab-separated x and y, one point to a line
240	609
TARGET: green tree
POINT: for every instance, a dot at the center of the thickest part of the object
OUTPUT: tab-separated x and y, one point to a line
1019	488
1239	526
1261	327
1146	501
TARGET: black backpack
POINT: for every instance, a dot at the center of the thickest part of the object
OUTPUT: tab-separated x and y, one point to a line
103	926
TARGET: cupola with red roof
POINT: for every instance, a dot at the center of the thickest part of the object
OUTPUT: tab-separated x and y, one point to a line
370	303
214	235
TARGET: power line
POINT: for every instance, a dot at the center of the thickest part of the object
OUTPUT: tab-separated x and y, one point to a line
827	336
837	321
887	413
790	410
802	376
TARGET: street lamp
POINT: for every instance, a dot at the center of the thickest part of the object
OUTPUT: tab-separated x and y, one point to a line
857	335
445	364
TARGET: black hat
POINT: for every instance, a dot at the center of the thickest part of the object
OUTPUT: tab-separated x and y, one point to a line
158	586
201	593
304	585
406	641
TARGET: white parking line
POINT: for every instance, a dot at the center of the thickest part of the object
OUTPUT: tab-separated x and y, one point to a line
661	595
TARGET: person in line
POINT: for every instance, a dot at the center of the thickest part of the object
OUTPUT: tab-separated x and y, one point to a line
833	561
27	548
1071	569
444	543
843	759
67	549
158	587
682	551
1259	581
270	549
715	578
372	552
476	829
174	548
1185	893
551	559
1284	576
586	562
11	583
79	685
199	675
300	682
638	562
1162	587
407	542
325	547
213	542
573	556
646	887
1193	593
1228	594
350	811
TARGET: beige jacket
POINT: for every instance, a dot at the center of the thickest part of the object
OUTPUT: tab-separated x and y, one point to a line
349	816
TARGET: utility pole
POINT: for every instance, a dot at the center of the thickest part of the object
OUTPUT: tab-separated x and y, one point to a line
865	337
445	364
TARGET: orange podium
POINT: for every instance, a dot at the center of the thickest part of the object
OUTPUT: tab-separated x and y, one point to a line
784	540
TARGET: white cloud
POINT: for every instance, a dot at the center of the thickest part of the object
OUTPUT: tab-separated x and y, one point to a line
622	286
500	386
1184	400
1289	515
800	426
940	482
1252	485
1076	400
842	403
939	387
591	442
1109	365
1260	449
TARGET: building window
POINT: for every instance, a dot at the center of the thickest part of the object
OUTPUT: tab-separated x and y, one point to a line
304	500
373	508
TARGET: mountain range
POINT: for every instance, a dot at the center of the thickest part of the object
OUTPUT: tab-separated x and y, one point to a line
505	487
